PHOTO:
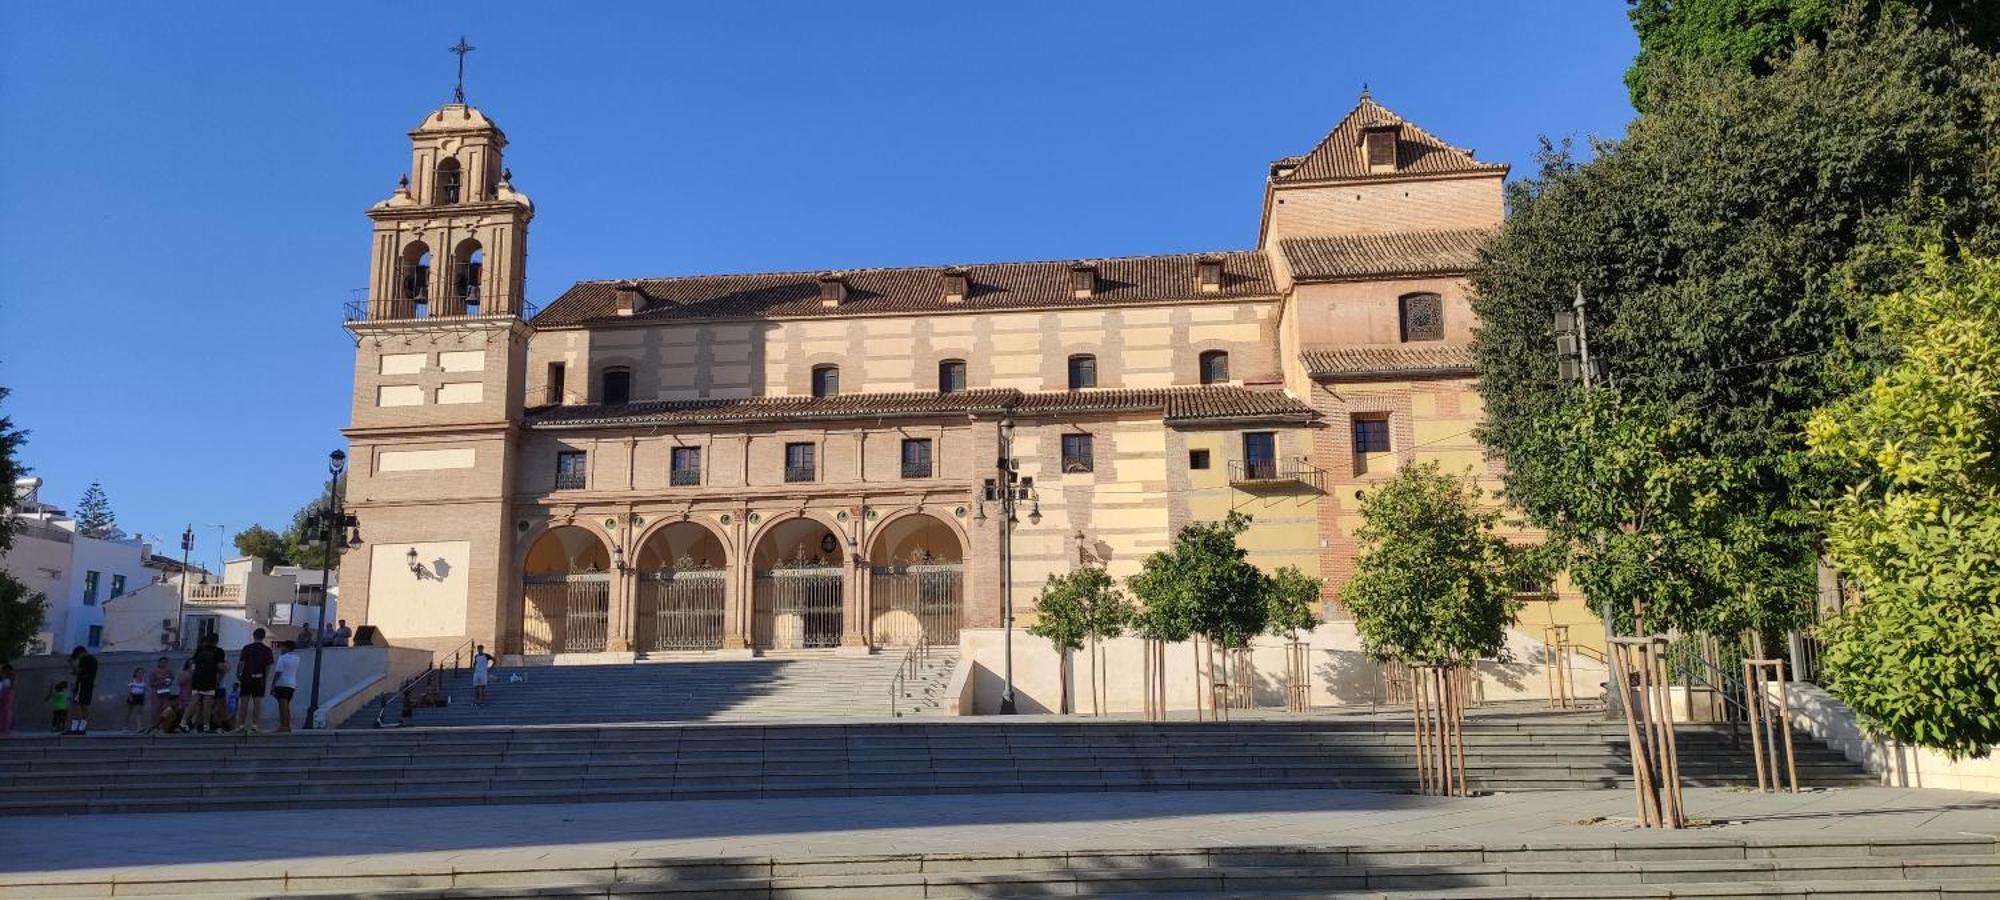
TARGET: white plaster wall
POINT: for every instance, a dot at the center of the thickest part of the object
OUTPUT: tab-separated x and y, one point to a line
1823	716
1341	674
405	605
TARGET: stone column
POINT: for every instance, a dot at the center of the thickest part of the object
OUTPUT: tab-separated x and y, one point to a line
736	623
618	628
854	634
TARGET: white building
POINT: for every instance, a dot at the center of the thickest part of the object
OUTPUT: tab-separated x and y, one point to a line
78	574
246	596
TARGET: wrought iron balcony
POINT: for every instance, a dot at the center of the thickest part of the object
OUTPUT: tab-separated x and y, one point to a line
357	310
569	481
685	476
1252	473
801	473
916	468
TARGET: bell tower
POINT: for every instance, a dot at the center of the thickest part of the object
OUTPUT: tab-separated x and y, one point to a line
440	355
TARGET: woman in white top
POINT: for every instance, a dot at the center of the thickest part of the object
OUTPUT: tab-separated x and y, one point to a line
482	671
286	682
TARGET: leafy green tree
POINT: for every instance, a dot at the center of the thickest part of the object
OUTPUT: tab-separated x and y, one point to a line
303	546
1294	603
1433	584
1752	35
264	544
1723	245
1205	585
1919	526
94	517
11	470
1079	607
21	615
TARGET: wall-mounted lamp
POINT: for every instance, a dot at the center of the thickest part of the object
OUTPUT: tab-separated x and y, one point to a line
416	566
618	557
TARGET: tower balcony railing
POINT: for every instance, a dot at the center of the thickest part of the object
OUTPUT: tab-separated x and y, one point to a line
356	310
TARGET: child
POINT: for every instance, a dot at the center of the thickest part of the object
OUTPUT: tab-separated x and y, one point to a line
135	702
58	706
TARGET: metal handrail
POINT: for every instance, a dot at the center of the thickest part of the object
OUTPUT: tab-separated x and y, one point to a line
906	671
357	311
432	675
1274	471
1735	709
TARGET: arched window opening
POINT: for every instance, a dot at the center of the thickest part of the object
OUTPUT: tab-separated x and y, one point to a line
825	381
466	267
1215	367
951	376
617	386
1082	371
449	181
1422	317
413	279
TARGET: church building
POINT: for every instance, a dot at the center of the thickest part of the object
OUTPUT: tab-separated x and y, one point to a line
865	458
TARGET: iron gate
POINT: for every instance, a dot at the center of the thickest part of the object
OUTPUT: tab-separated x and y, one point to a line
681	609
917	600
798	608
566	613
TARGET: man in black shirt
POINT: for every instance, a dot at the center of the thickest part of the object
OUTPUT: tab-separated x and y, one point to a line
85	666
208	659
253	668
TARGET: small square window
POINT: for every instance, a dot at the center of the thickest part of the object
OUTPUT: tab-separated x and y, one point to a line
825	381
799	463
617	386
917	458
951	376
686	468
1077	453
1371	434
1197	459
1082	371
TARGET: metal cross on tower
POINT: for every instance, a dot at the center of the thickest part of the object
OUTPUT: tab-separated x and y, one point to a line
461	48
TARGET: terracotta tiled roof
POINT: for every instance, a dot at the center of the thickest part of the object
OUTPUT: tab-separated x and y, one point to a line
1246	273
1405	360
1418	152
1178	404
1402	253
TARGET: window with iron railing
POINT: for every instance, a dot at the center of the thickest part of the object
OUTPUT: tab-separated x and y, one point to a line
570	469
799	463
1260	455
916	458
686	469
1078	453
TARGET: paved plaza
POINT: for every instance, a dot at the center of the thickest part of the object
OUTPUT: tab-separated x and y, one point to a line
320	842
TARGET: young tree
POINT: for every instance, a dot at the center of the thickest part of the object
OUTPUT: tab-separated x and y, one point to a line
1919	525
1204	585
94	517
264	544
1433	584
11	470
1079	608
1294	603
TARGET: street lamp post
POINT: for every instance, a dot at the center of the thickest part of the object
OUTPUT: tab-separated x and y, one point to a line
180	612
336	462
1008	490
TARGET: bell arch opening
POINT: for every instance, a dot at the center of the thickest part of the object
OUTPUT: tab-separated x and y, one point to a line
566	593
799	587
916	587
683	590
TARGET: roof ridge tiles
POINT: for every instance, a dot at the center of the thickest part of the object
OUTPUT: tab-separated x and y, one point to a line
941	267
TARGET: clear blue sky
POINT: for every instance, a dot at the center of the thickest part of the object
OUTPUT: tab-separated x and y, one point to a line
182	185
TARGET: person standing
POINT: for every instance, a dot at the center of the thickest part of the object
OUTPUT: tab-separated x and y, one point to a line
160	686
342	634
253	672
6	698
135	702
482	671
205	681
85	666
285	682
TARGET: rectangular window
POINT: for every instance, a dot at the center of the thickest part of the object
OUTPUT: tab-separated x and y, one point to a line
96	635
917	458
570	468
1197	459
951	376
1260	454
1082	372
1077	453
557	371
799	462
117	586
825	381
90	588
1371	434
617	386
687	467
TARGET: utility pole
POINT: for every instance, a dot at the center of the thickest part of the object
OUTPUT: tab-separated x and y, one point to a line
1574	363
1008	490
180	613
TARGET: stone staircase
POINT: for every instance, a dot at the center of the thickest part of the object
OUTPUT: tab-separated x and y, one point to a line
817	687
473	765
1709	867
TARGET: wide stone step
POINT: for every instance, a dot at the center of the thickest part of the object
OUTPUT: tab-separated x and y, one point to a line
1942	867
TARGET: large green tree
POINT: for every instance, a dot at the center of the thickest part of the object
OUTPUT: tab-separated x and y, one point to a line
1722	245
1434	583
94	517
1204	585
1919	526
21	611
1753	35
264	544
